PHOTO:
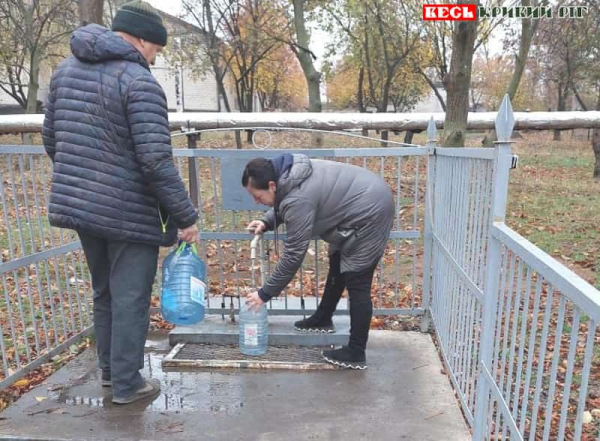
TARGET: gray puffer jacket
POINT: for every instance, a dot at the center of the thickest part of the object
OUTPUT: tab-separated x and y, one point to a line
106	130
349	207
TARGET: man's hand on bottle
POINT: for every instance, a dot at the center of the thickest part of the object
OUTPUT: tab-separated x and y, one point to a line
189	234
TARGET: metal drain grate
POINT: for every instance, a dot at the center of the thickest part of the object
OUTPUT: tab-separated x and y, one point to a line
203	355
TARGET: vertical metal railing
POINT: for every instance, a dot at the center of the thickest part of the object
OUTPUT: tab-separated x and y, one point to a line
45	303
223	242
517	330
459	206
428	233
541	338
539	331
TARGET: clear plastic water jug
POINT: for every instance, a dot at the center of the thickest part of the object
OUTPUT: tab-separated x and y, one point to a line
183	286
254	330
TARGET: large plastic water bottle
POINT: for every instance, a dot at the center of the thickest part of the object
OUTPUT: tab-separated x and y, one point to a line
183	286
254	330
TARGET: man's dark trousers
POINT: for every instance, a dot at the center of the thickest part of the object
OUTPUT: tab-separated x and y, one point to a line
122	278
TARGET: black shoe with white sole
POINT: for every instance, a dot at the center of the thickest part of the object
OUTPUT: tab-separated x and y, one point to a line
315	324
346	357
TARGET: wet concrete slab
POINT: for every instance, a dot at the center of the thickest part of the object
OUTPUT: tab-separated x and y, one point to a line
281	332
404	395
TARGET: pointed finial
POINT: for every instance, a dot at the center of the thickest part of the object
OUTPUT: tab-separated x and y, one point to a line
505	121
431	130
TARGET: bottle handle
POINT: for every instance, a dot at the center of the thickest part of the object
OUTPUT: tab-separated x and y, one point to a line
182	245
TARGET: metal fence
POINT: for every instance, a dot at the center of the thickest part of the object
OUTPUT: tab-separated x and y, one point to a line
225	210
45	300
459	207
518	332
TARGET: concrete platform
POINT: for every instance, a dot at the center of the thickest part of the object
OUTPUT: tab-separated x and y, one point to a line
404	395
213	329
218	329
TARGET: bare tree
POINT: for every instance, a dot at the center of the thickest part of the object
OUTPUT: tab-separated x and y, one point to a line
236	40
459	79
206	44
91	11
563	49
384	37
302	50
305	56
439	33
29	31
528	30
587	66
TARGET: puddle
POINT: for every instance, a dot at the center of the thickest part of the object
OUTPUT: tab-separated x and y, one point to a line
181	391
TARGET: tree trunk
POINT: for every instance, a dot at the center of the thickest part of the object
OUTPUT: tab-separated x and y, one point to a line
457	112
359	93
578	96
32	92
313	77
527	31
218	71
360	96
408	137
385	96
90	11
214	57
561	107
384	138
596	145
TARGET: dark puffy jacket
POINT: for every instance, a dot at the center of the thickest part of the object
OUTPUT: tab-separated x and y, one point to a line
106	130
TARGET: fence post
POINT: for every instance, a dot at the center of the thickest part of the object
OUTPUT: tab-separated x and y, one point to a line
502	165
427	270
192	139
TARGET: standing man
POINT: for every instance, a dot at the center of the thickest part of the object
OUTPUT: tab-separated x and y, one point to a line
114	181
347	206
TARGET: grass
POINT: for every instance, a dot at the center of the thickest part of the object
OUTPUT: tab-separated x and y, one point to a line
554	201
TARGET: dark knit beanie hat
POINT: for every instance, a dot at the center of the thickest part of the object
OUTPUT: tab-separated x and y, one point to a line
140	19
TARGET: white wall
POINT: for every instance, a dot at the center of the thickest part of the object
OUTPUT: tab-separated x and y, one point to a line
430	103
199	92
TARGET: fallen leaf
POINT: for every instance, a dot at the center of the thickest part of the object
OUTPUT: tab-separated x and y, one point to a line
40	399
22	383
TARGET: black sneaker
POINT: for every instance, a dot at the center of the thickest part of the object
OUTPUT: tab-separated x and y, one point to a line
346	357
316	324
